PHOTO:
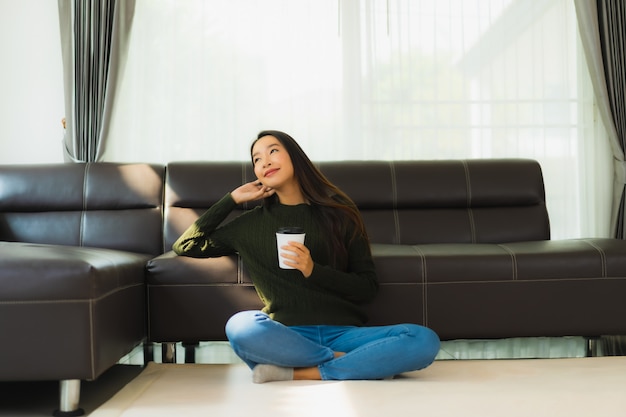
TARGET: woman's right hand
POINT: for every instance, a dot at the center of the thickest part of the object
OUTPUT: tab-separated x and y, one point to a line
251	191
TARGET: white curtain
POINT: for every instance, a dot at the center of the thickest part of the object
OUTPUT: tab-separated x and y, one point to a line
370	79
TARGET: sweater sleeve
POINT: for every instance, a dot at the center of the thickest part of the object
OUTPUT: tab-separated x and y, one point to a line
203	239
359	284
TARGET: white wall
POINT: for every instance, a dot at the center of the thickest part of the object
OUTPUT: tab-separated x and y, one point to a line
31	82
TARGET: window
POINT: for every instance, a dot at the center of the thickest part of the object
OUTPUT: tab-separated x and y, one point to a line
369	79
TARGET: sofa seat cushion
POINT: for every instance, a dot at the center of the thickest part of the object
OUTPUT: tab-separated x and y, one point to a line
539	260
505	290
191	299
171	269
84	307
548	288
38	272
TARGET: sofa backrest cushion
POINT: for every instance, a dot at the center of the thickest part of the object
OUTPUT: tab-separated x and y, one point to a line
402	202
192	187
446	201
108	205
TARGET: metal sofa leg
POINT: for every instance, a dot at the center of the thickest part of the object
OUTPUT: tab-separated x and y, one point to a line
168	352
190	351
70	396
593	343
148	352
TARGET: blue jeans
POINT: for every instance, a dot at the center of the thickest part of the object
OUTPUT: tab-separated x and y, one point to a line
370	352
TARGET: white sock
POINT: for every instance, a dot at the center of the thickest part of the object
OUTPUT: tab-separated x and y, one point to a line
267	373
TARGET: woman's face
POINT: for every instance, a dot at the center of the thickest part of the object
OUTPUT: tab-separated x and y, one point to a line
272	163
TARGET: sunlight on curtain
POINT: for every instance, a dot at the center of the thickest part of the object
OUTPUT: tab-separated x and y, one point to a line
370	79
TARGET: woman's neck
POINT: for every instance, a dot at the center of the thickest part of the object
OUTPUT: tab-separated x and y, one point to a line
291	197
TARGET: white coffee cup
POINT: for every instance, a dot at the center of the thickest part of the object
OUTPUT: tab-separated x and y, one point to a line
284	235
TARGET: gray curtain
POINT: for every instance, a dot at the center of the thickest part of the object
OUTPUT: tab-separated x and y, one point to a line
602	25
612	29
94	39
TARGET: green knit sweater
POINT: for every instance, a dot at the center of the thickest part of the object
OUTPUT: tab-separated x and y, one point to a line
327	297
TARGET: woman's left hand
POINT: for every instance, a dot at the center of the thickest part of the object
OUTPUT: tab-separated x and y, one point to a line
300	259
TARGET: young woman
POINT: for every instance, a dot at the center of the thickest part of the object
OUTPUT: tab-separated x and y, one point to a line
312	325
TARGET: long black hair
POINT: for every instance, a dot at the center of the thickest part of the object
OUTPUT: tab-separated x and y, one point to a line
334	205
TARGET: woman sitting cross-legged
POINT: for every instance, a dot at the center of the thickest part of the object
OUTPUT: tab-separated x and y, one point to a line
312	325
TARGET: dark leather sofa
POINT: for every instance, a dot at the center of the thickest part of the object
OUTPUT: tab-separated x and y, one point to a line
460	246
74	242
87	272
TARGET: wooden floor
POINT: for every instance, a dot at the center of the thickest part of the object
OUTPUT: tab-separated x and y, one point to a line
41	398
574	387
